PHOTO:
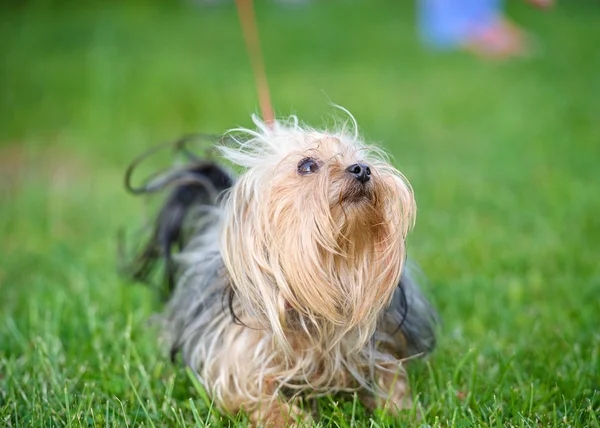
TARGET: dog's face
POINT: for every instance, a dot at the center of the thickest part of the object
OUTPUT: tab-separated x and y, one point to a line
314	234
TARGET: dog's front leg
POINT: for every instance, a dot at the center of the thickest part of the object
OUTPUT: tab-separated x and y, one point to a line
392	382
276	413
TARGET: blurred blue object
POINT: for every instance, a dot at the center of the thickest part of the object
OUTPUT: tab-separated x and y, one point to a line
448	24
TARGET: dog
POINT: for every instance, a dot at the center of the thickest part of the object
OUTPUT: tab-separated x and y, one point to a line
288	279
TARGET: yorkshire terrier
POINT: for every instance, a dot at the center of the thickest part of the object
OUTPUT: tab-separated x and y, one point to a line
290	280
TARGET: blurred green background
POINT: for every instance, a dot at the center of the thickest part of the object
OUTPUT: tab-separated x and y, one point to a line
503	157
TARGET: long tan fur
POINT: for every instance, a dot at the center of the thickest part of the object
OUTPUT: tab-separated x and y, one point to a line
312	264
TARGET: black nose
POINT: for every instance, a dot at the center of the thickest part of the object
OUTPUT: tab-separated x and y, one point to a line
360	171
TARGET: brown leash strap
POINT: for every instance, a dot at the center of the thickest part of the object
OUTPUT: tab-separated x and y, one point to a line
248	20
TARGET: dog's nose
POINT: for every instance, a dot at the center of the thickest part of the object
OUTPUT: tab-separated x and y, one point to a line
360	171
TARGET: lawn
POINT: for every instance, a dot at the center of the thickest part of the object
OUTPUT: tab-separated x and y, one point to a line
504	159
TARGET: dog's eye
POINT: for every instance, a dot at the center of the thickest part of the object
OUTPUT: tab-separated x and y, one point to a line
307	166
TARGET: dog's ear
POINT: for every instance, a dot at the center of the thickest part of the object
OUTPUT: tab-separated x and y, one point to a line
194	186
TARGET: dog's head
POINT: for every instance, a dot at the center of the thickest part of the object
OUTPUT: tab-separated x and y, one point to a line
313	237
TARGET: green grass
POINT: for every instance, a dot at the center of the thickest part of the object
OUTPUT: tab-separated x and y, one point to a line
504	159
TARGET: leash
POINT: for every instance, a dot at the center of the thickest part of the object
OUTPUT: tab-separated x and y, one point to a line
248	20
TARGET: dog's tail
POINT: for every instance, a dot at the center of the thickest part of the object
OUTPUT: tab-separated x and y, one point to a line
194	191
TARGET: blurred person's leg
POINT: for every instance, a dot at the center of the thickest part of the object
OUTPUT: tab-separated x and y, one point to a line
476	25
